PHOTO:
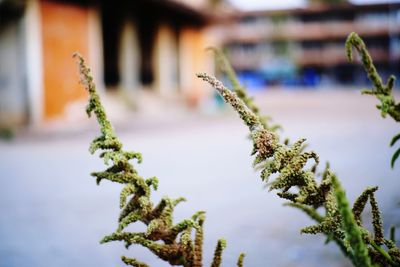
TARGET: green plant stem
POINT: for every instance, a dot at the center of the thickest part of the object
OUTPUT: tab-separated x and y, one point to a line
289	162
393	234
382	91
382	252
352	231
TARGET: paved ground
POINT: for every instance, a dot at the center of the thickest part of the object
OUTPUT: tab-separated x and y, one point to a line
53	214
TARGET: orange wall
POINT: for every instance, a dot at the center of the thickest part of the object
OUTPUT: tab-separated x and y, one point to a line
193	59
65	30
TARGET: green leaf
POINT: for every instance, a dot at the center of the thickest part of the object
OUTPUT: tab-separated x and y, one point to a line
394	158
394	139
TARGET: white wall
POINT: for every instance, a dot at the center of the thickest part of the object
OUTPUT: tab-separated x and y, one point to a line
96	47
166	60
34	62
129	60
13	97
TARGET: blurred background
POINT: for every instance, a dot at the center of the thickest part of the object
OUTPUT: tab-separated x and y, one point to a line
144	55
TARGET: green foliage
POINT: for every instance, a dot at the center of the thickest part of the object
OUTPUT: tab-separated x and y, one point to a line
310	192
240	90
319	195
351	230
240	260
221	245
6	134
383	92
170	242
397	152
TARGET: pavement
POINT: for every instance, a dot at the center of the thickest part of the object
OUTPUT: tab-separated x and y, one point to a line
53	214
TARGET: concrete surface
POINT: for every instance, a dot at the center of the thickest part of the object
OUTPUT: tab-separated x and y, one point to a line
53	214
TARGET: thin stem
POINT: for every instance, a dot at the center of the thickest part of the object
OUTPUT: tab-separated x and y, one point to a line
383	253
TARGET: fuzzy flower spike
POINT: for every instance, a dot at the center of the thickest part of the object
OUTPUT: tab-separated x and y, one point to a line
299	184
173	243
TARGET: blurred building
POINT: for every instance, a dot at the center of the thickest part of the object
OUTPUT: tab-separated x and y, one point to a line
306	46
130	45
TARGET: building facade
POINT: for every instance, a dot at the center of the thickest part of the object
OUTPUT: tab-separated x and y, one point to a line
130	45
306	46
